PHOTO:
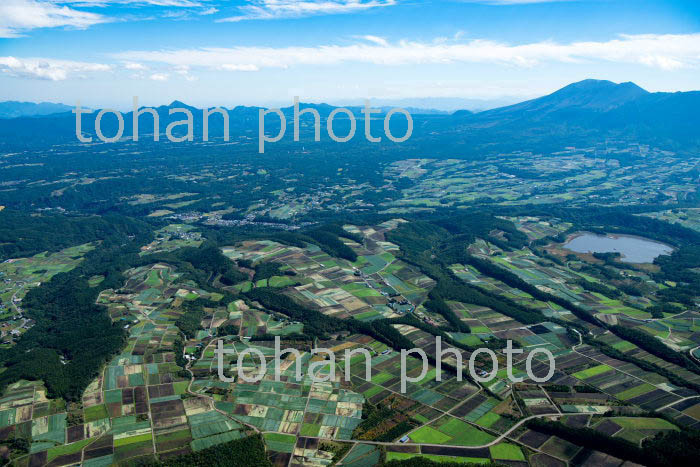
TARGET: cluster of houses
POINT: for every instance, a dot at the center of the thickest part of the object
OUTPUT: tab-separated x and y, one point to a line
249	219
401	306
189	216
10	330
396	302
192	358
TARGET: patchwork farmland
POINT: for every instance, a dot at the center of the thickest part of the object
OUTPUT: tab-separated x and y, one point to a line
162	396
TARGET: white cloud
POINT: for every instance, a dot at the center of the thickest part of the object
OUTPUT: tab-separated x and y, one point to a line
663	52
274	9
170	3
17	16
376	40
49	69
513	2
135	66
242	67
159	77
166	3
184	71
179	14
666	52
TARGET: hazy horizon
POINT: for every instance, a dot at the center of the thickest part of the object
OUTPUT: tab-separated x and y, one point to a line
440	104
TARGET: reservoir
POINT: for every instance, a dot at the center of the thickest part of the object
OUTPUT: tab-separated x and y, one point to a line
632	249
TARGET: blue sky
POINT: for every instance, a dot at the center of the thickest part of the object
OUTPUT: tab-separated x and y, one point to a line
215	52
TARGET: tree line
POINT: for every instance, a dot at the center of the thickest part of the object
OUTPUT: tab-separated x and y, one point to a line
69	327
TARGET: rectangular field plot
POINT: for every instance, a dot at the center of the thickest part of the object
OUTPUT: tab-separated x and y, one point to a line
450	430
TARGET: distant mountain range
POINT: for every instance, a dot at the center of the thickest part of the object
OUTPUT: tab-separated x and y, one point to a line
14	109
578	114
593	109
435	105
